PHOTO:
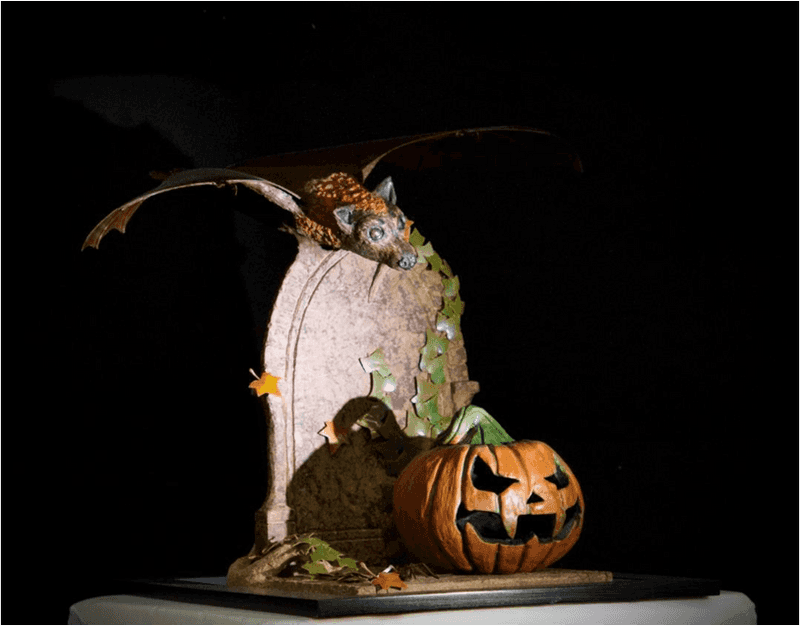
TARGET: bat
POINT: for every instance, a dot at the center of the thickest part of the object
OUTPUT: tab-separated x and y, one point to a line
324	192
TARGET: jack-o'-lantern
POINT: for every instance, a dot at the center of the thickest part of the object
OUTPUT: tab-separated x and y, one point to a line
490	509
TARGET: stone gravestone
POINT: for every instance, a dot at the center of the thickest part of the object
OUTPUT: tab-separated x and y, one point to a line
335	309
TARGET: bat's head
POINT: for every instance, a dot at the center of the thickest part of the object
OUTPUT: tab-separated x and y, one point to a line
368	223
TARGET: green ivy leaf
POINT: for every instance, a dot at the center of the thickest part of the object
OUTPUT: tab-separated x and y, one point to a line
436	262
383	385
375	362
446	269
315	568
453	308
429	412
438	422
416	426
436	369
416	239
428	409
425	252
450	326
347	562
324	553
434	365
425	390
434	346
451	286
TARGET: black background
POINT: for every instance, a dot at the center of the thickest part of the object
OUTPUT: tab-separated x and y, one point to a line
627	316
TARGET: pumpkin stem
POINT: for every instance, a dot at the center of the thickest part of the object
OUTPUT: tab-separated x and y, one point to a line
464	427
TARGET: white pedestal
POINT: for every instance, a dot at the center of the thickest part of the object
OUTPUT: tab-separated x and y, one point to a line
727	608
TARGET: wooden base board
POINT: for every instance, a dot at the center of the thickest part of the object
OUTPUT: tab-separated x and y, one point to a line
429	584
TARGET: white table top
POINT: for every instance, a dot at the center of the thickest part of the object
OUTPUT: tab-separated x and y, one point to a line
727	608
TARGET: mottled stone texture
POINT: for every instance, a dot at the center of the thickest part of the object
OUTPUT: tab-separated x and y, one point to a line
334	308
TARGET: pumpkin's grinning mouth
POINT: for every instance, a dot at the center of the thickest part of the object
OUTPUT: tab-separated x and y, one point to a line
490	529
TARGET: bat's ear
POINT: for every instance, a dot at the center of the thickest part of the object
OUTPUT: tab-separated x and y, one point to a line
386	191
345	218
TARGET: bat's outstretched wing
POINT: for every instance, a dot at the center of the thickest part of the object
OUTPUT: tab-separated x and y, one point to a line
559	154
292	170
118	219
275	176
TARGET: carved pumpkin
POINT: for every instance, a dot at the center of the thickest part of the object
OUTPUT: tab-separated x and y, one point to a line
491	509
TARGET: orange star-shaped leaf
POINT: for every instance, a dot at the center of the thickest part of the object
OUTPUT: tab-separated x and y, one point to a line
266	383
386	580
335	435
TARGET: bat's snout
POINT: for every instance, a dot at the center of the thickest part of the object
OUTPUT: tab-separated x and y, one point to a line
407	261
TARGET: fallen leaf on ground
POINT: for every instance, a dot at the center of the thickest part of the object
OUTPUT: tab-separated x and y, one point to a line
386	580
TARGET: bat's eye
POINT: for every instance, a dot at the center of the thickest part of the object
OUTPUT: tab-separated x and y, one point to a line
401	223
376	233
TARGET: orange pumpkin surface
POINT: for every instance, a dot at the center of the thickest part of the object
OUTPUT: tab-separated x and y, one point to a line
491	509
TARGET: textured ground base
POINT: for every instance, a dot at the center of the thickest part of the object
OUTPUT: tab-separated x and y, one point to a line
445	582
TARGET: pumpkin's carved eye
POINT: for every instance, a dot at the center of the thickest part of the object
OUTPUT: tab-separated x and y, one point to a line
572	514
559	479
484	479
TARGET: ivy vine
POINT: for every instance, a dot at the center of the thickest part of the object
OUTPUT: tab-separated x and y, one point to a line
471	424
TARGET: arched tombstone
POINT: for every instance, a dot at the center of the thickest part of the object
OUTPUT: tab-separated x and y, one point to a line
334	310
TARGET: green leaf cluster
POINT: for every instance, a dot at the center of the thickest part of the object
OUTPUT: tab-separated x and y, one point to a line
383	381
426	420
323	559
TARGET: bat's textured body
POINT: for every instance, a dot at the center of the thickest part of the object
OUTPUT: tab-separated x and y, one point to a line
339	212
336	211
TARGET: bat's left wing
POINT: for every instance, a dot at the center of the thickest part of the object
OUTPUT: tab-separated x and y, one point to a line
359	160
381	150
119	218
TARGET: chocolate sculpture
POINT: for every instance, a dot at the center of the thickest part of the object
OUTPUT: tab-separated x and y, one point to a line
364	364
